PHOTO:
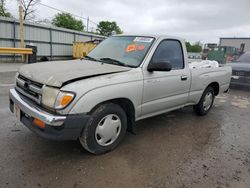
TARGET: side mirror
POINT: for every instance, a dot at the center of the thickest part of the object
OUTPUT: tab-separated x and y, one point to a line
159	66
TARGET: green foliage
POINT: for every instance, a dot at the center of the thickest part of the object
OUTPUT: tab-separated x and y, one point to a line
106	28
197	47
67	21
3	11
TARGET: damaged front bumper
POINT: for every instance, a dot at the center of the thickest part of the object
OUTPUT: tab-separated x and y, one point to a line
57	127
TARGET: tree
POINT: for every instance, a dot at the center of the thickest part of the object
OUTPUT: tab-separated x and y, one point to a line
29	8
3	11
66	20
197	47
106	28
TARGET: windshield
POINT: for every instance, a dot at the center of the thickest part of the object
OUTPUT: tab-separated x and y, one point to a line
122	50
245	58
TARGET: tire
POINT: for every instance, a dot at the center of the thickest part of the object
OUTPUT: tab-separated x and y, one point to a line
106	121
44	58
202	108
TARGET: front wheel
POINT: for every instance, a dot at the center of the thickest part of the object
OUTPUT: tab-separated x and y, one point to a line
206	102
105	129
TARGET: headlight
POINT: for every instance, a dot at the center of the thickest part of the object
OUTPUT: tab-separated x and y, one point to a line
54	98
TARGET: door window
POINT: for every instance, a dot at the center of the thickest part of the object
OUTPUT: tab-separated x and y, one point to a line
170	51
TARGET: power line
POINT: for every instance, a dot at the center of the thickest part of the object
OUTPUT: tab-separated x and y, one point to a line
59	10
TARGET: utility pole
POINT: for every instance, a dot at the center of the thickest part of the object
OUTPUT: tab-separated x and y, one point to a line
88	24
21	27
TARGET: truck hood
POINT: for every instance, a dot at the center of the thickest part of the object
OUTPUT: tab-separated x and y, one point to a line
58	73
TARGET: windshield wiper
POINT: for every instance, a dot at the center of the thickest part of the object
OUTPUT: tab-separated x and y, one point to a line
90	58
114	61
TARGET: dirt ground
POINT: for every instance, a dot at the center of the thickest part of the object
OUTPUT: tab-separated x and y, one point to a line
178	149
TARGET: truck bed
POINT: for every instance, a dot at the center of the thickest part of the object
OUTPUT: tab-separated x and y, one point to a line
201	77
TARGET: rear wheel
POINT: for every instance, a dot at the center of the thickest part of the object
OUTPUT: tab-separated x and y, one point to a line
206	102
105	129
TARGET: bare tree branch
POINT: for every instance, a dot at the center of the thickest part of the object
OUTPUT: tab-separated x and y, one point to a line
3	11
29	8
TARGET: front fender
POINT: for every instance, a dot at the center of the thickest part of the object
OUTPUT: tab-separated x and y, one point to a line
129	90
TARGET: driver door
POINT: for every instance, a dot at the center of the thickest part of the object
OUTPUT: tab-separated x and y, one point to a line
165	90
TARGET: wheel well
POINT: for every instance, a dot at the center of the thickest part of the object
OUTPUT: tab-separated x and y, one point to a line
216	87
129	109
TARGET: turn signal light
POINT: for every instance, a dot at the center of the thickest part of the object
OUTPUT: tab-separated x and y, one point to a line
39	123
63	99
66	100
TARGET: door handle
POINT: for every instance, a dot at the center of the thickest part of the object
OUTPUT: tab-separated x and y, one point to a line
184	77
153	81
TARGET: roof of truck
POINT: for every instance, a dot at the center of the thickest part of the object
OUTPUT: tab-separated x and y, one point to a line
153	35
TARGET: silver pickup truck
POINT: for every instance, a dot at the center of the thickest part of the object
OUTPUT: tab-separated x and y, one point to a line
126	78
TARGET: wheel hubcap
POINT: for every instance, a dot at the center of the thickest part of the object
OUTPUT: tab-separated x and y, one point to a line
108	130
208	101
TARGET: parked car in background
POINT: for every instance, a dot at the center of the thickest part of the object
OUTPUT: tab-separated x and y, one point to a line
194	57
241	71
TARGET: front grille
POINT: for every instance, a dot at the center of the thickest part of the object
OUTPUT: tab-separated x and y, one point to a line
29	88
241	73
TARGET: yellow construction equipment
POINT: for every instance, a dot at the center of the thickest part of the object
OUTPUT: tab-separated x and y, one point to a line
81	49
24	51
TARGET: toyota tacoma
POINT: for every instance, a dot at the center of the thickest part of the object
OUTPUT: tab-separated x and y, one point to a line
124	79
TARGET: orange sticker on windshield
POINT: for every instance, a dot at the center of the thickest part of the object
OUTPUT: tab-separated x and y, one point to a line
140	47
134	47
131	48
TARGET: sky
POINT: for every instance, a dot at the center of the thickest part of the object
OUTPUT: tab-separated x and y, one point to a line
195	20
